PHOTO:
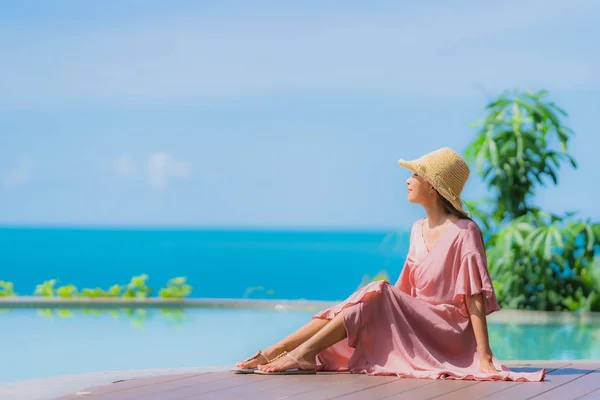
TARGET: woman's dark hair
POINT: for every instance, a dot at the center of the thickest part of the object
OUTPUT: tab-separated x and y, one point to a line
452	210
460	214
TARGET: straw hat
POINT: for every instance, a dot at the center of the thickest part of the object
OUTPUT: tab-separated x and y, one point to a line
445	170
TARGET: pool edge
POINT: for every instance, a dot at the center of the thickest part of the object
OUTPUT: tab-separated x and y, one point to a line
500	317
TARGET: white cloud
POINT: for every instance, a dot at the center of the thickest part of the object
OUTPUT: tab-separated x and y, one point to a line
159	169
179	169
125	167
20	173
162	168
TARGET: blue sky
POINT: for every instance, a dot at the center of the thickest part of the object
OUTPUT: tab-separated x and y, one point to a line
268	113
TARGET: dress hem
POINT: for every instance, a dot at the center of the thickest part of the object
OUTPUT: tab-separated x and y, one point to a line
537	376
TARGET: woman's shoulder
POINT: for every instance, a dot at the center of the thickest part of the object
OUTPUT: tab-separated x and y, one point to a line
414	229
469	233
466	224
463	224
418	224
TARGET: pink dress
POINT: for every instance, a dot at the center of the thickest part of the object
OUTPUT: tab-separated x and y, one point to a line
420	327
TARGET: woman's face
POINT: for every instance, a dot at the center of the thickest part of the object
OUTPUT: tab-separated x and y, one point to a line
419	190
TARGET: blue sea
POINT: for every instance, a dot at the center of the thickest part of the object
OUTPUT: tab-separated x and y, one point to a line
314	265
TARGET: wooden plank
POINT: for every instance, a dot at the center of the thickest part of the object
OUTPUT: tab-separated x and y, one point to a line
482	389
554	379
574	389
388	389
312	385
565	380
197	387
250	389
278	387
479	390
595	395
127	384
147	390
437	388
358	382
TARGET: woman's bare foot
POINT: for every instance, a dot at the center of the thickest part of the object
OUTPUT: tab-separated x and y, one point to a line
262	358
298	359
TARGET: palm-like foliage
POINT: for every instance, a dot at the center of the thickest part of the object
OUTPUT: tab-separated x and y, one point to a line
512	150
537	260
546	262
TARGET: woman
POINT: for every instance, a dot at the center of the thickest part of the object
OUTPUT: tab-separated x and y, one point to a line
432	322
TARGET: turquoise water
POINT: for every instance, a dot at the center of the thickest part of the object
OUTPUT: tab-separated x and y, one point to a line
40	344
219	263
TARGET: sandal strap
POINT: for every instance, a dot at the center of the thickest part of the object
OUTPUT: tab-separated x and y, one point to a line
294	359
255	356
261	354
298	362
278	357
264	356
288	355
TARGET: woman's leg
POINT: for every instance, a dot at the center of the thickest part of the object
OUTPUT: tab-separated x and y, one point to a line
288	344
306	353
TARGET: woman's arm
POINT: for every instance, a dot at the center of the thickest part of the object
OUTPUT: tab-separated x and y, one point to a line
476	307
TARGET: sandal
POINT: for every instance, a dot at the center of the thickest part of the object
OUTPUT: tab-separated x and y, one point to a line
290	371
259	353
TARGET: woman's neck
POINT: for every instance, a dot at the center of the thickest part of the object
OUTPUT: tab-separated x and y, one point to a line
436	214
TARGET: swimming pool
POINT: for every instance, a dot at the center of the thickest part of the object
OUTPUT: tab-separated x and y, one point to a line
49	343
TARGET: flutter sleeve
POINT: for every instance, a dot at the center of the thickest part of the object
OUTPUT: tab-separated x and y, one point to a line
472	275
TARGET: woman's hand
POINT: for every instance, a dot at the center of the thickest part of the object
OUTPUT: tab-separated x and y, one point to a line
486	365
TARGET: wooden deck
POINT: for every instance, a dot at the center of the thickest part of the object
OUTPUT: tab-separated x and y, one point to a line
565	380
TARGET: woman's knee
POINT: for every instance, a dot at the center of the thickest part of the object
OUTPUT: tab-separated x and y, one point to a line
376	295
377	288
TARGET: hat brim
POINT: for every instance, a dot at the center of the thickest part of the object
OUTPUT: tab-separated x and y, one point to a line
405	163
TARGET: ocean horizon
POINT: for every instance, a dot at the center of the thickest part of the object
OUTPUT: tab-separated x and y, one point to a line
266	263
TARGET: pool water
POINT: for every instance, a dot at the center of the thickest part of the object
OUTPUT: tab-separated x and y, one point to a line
39	343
